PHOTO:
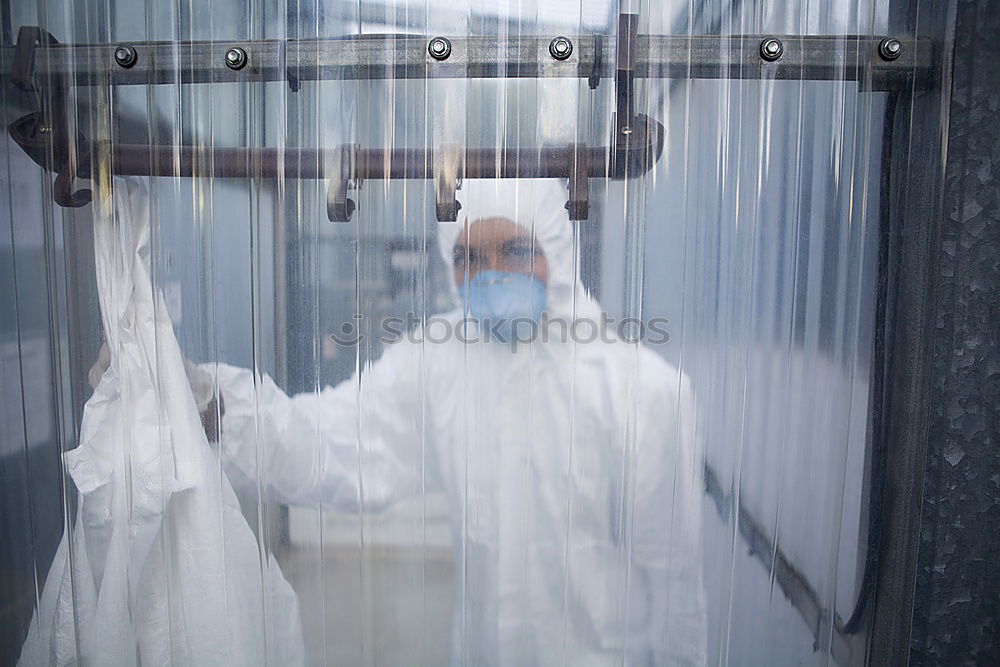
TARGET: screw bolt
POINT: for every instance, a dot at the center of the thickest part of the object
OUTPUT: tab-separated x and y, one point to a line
236	58
890	48
126	56
439	48
771	49
561	48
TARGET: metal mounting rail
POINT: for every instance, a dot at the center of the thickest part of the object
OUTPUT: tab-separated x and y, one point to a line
635	144
827	628
40	63
907	62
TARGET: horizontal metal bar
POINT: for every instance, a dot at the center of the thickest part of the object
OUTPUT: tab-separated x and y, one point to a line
793	583
812	57
370	164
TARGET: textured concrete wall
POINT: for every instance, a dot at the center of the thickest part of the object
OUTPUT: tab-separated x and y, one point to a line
956	617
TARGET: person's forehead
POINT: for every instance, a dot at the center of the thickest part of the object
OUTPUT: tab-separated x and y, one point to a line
486	231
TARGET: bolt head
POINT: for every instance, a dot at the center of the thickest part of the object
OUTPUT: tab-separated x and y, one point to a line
236	58
771	49
560	48
439	48
125	56
890	48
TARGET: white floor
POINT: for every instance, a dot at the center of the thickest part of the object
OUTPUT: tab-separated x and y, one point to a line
388	603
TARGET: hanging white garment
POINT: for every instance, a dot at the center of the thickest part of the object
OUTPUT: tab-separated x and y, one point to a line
161	568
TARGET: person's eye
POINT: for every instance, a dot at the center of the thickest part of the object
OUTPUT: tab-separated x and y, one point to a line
523	252
463	257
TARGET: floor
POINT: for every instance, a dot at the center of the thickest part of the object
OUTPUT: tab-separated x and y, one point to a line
391	606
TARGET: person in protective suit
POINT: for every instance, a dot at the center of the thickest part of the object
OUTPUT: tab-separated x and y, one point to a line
569	460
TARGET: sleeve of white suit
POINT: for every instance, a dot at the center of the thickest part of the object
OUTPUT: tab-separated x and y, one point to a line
359	445
666	535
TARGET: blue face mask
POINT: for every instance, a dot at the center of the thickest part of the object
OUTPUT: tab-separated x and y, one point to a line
496	299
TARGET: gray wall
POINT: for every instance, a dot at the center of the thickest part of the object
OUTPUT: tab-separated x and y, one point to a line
956	616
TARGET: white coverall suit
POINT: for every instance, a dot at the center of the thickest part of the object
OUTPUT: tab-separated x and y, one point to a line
571	468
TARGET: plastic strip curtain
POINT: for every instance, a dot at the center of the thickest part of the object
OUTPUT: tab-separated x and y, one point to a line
433	497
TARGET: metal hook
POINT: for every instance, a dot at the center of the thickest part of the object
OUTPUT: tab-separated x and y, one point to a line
29	38
579	183
338	207
62	188
594	80
625	50
446	179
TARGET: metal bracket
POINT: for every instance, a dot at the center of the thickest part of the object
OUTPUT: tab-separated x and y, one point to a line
594	80
635	147
294	84
579	184
46	133
637	140
909	64
338	207
29	38
35	138
628	32
51	140
446	182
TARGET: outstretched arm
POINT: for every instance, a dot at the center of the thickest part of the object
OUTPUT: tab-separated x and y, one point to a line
357	445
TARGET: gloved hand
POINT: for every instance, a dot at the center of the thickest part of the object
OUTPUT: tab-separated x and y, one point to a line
202	388
100	366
